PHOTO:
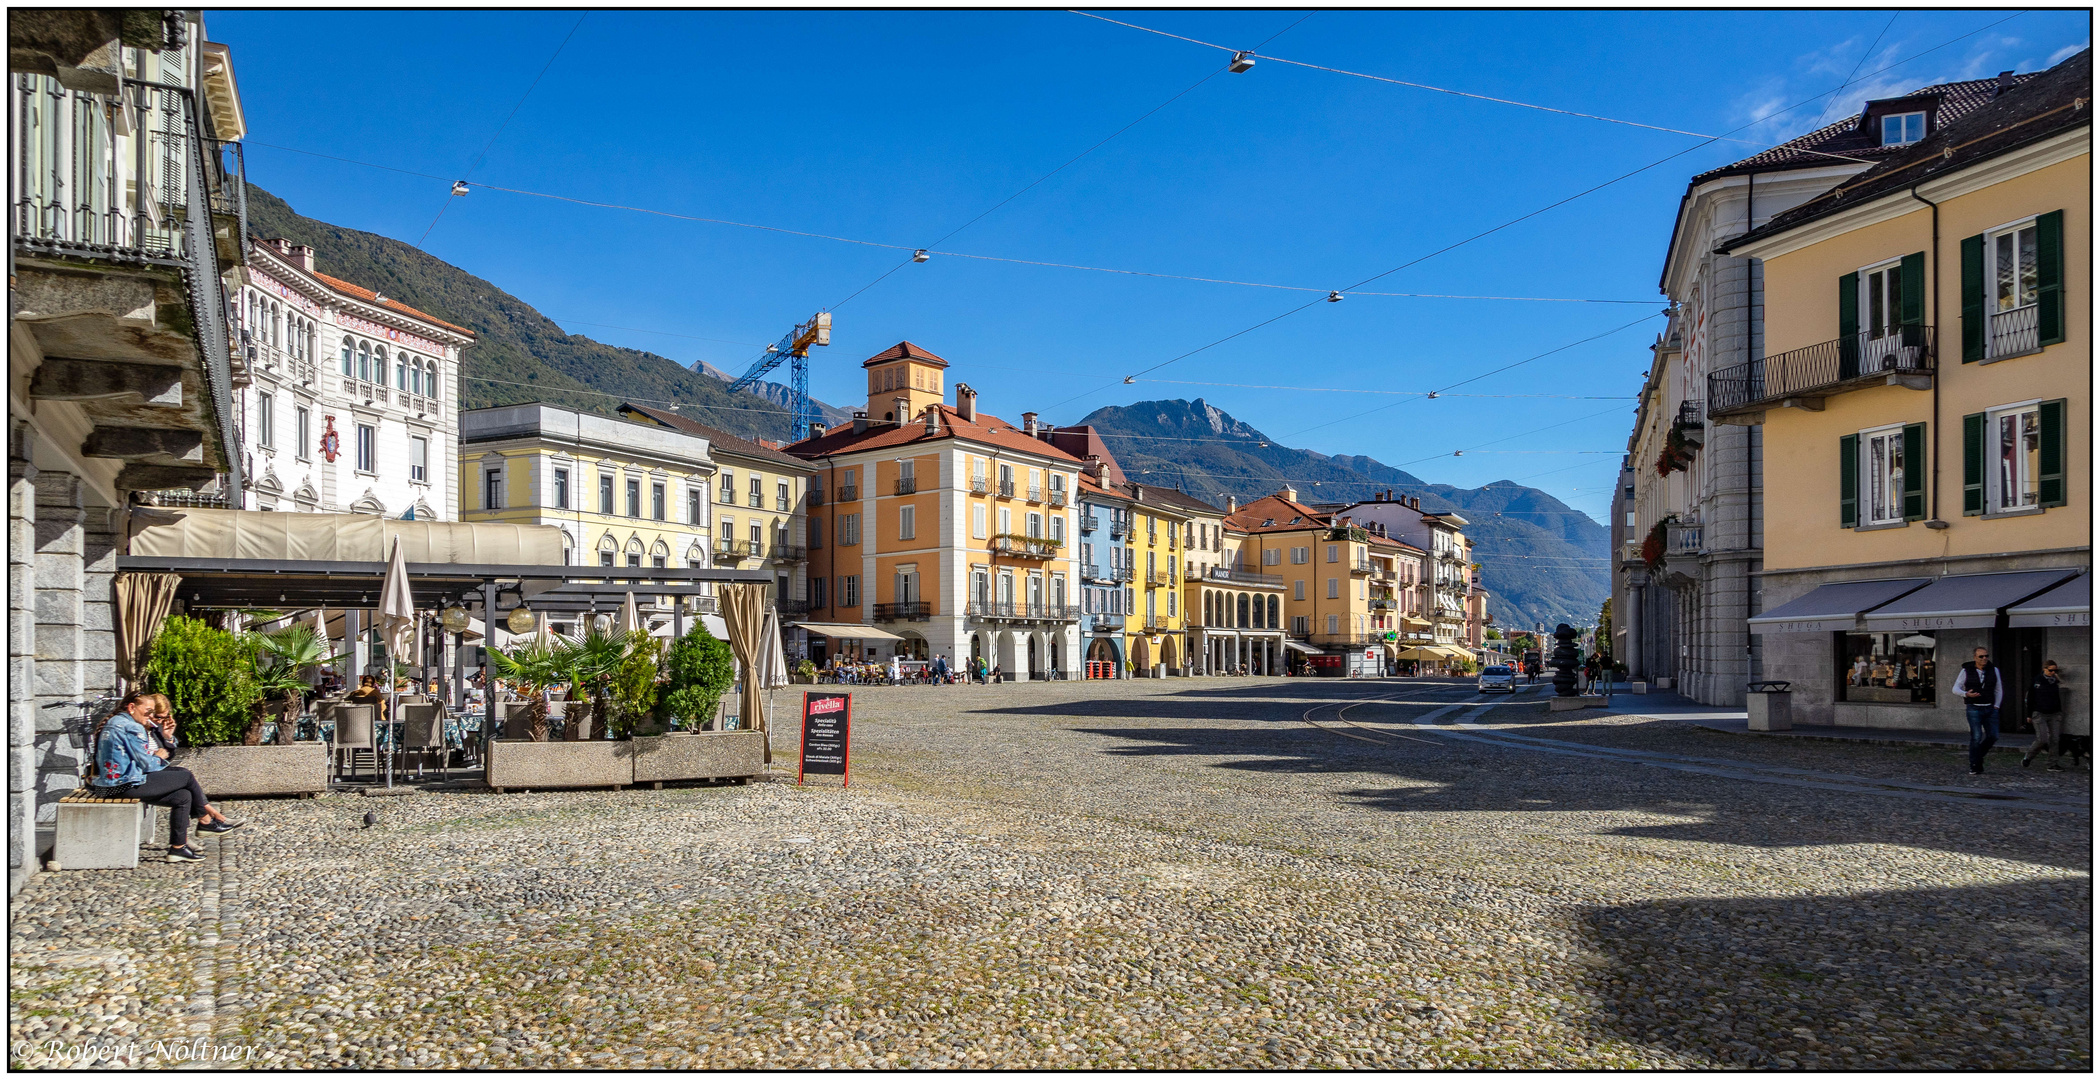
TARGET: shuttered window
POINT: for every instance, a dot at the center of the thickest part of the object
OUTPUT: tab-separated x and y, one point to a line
2053	490
1848	481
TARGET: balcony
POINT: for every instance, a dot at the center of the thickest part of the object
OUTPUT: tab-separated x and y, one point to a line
1057	496
1382	603
758	501
1115	528
735	549
1006	489
979	485
1018	611
849	493
816	496
786	553
1160	624
1348	532
1088	523
1235	575
907	485
1363	566
908	611
1802	378
2014	333
789	609
1025	547
1684	537
1035	494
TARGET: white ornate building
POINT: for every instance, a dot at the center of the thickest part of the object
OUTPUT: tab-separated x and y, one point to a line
353	400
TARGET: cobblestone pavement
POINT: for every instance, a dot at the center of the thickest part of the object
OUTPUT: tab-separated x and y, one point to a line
1177	874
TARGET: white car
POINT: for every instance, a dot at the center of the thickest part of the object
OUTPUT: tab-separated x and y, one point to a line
1499	677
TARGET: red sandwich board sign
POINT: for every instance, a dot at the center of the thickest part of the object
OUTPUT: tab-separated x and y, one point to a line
827	735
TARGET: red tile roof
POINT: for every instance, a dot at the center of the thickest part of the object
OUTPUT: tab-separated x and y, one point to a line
1278	511
370	297
904	350
986	429
717	439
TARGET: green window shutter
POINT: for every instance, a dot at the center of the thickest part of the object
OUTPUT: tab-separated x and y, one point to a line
1911	298
2051	479
1914	472
1972	320
1972	464
2049	273
1848	481
1848	325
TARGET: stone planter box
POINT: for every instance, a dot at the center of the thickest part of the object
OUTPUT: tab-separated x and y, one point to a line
702	755
514	763
241	772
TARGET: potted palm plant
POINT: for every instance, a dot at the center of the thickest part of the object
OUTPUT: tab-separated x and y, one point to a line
534	762
279	665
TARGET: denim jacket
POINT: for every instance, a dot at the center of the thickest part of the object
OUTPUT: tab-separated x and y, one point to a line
123	755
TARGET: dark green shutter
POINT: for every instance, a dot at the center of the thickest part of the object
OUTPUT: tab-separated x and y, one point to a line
1914	472
2049	274
1910	300
1848	326
2051	480
1972	464
1848	481
1972	321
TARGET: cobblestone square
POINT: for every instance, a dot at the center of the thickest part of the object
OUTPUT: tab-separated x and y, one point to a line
1190	873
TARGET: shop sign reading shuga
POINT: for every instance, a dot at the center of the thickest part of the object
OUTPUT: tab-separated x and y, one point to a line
827	735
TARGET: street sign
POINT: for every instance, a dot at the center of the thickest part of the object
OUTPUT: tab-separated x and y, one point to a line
827	725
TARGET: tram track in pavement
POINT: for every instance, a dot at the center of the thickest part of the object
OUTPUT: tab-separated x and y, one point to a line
1467	728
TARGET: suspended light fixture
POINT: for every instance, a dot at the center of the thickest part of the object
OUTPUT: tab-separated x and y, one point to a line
920	255
459	187
1241	61
1334	298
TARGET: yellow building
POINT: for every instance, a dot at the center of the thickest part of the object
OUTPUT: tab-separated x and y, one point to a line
1926	394
1157	544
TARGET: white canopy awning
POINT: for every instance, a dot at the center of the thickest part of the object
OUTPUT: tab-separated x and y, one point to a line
848	631
257	534
1300	647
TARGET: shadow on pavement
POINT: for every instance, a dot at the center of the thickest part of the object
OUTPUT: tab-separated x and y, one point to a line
1939	978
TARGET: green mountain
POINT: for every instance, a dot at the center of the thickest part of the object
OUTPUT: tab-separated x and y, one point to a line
1542	560
522	355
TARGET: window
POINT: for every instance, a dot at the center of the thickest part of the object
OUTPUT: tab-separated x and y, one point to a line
1298	589
758	497
693	508
430	382
492	490
780	496
849	590
561	489
605	495
1334	588
728	534
349	364
1006	480
401	371
1057	528
1006	522
907	522
2014	268
656	501
1301	625
634	498
378	365
1035	525
2016	450
1881	299
415	378
266	420
1057	590
977	521
367	448
1332	555
1334	624
303	433
1887	668
1902	129
634	559
1301	555
1881	460
758	538
849	528
817	590
1272	557
605	558
1171	604
729	487
418	460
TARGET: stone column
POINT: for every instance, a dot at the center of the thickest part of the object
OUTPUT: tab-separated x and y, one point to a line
1630	621
21	658
60	645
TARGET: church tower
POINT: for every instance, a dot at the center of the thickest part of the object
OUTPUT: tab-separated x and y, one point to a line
903	371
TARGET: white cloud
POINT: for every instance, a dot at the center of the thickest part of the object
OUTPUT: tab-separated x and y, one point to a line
2067	52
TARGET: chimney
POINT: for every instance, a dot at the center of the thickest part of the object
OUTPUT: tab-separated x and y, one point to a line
933	420
966	402
2005	82
305	256
1028	424
860	422
1287	493
1232	504
900	409
1137	491
1101	471
816	431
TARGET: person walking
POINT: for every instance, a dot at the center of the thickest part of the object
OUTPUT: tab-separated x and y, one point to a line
940	668
2045	706
1981	686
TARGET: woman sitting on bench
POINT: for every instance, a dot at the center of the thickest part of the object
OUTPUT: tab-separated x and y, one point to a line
127	767
161	732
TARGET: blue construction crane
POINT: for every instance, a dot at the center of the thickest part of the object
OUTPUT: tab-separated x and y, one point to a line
793	348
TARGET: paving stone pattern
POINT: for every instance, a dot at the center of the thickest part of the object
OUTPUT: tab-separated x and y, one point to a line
1201	873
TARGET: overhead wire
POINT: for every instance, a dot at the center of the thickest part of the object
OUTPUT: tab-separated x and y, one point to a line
491	144
1400	393
1855	67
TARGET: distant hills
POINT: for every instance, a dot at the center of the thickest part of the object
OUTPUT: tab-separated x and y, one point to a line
1542	560
522	355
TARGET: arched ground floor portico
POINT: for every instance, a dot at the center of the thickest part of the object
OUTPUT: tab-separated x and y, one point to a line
1227	652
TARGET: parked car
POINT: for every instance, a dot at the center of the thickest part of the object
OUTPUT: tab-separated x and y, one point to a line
1498	677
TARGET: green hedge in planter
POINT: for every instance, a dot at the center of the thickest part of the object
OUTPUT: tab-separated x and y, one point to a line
209	677
702	669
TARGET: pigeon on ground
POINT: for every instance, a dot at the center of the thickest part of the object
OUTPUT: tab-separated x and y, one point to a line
371	819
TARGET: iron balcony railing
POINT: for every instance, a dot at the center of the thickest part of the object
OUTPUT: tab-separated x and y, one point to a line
906	611
979	485
2015	332
1021	610
786	553
1035	494
128	178
1382	603
1158	578
1830	367
757	500
1116	528
1088	523
1363	566
849	493
907	485
1057	496
1006	489
1025	547
816	496
736	548
1690	411
789	609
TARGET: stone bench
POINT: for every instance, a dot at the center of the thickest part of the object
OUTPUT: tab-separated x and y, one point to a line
97	832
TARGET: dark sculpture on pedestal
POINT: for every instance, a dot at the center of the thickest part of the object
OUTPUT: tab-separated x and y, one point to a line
1565	660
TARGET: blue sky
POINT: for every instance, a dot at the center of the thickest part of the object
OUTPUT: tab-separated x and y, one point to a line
900	127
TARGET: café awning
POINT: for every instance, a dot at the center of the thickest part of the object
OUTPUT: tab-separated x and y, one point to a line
2069	604
1413	623
200	533
1967	601
1835	606
848	631
1300	646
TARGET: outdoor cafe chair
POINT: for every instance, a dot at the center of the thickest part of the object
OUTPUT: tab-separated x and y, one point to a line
356	728
423	733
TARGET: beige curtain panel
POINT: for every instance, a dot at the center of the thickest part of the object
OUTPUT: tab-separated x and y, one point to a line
255	534
744	610
143	603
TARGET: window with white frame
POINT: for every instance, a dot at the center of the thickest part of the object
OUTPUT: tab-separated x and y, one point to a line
1902	129
1057	528
693	507
302	433
2014	438
367	448
1881	476
729	487
561	489
1006	522
849	590
657	510
907	522
2013	262
1332	554
758	497
266	420
977	521
605	494
418	460
492	490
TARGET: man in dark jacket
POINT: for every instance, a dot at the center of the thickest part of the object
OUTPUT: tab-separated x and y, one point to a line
2045	706
1981	687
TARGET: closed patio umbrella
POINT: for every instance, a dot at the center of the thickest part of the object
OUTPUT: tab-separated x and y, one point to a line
630	617
397	626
